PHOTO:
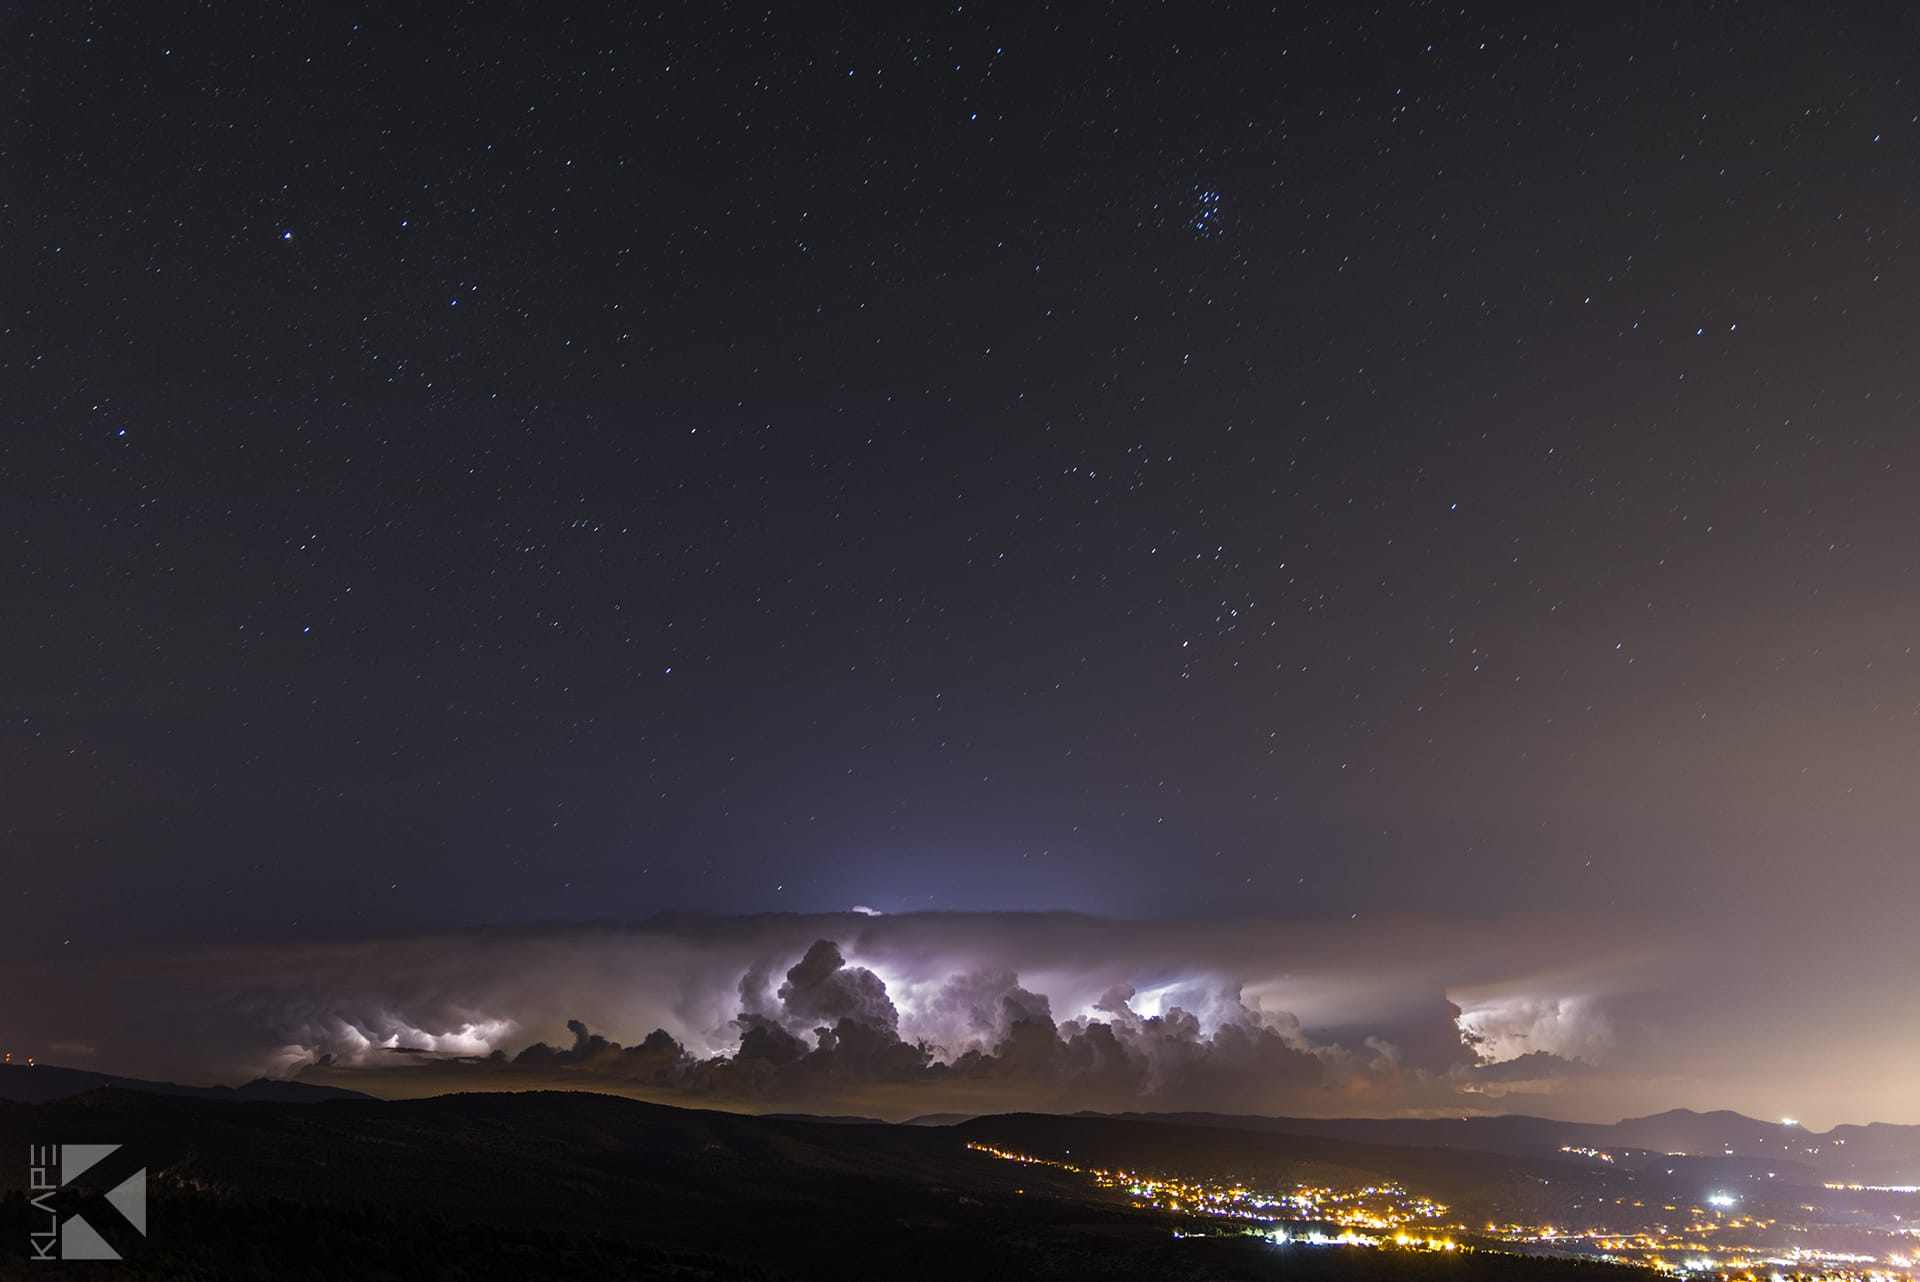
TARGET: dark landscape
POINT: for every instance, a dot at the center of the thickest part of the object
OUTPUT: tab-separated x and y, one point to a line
583	1185
580	1184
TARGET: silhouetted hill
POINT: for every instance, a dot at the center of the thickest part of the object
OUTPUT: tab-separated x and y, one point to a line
51	1081
1480	1185
1518	1135
555	1184
1721	1143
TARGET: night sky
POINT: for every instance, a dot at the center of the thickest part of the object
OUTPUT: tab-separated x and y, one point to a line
1206	468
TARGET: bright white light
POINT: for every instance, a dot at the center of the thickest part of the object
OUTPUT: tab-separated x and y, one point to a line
1150	1004
352	1043
1508	1026
1788	1121
1721	1199
476	1038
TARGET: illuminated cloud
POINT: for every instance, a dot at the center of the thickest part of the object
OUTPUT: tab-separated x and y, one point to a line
897	1015
1507	1029
907	1014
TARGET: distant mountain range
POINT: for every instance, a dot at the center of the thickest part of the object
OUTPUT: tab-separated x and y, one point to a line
1719	1144
50	1082
1723	1143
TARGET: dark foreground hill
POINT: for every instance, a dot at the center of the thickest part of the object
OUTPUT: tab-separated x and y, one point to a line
50	1081
566	1185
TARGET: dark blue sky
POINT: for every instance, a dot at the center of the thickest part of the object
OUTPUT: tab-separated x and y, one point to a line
512	466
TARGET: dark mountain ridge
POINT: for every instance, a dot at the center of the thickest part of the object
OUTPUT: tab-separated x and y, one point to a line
1879	1153
566	1184
42	1082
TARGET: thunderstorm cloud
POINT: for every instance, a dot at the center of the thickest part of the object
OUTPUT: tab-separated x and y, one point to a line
901	1015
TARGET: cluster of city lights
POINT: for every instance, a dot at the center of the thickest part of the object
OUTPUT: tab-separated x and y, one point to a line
1373	1215
1676	1238
1595	1153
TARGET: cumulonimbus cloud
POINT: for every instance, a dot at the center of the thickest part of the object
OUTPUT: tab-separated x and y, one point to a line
891	1015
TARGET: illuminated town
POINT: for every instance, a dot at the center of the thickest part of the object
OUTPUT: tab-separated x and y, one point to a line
1713	1240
